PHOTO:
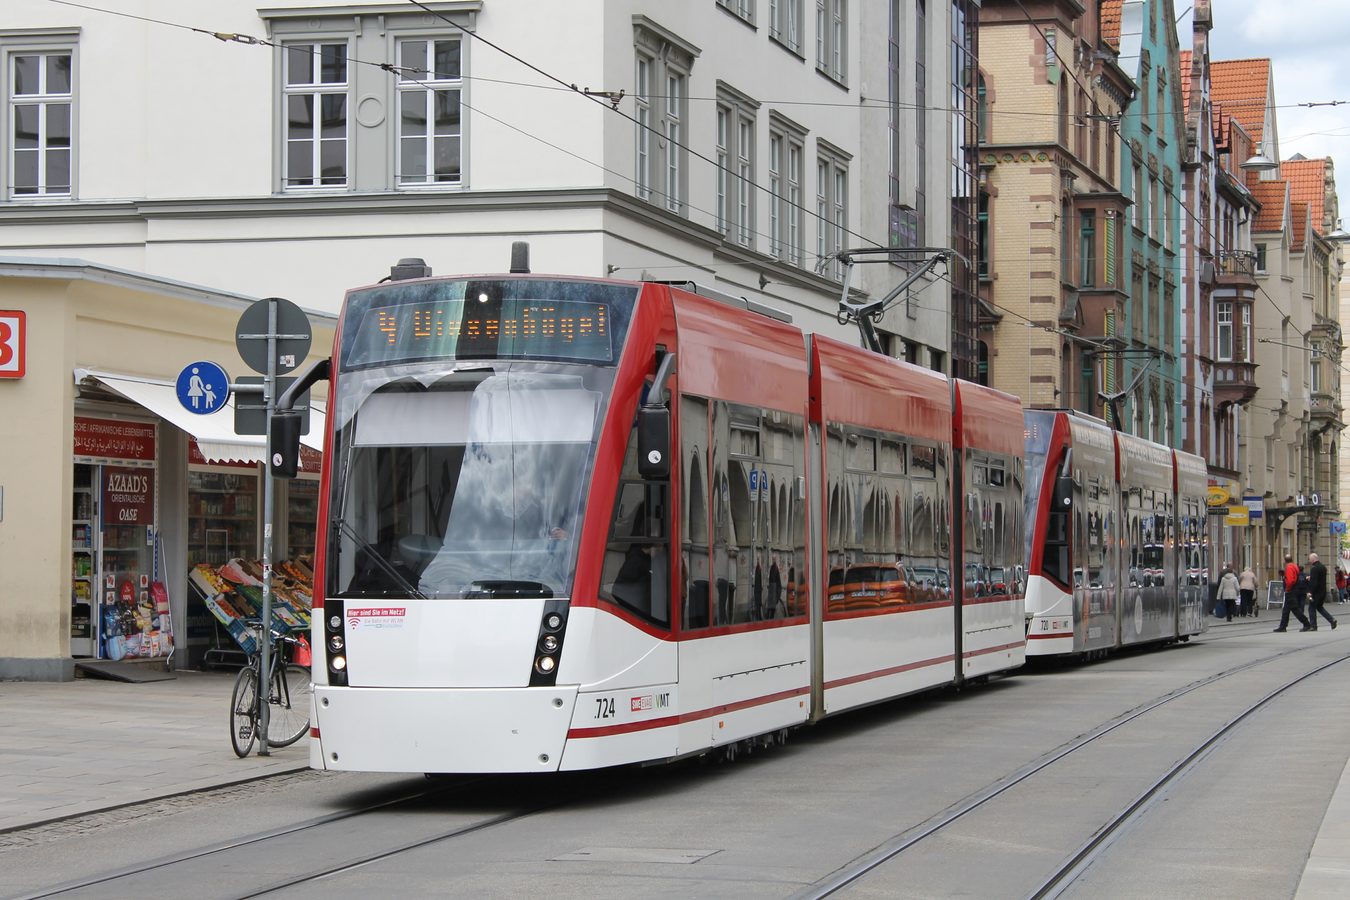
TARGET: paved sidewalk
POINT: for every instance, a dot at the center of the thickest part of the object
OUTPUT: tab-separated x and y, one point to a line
89	744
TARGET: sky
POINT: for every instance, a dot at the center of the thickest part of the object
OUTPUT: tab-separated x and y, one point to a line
1308	43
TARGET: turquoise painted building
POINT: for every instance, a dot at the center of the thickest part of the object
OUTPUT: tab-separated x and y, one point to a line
1153	134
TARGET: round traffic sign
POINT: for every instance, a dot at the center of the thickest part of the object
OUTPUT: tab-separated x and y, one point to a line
292	346
202	387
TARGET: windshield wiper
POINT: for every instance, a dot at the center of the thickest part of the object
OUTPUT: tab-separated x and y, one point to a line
385	565
490	589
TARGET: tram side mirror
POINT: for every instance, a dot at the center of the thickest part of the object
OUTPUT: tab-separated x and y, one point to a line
283	447
1064	491
653	443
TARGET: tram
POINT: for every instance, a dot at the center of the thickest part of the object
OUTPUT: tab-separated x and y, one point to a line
570	523
1117	554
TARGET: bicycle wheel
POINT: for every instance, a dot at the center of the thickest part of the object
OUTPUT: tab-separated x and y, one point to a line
288	713
244	712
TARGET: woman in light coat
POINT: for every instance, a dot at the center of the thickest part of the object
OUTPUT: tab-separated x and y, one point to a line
1228	590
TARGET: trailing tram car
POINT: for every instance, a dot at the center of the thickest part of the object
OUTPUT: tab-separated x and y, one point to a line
570	523
1117	553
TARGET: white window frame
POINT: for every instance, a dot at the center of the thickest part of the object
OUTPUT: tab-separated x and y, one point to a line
741	9
44	46
429	85
1223	331
785	24
735	189
787	153
660	152
831	205
642	101
374	133
832	39
317	91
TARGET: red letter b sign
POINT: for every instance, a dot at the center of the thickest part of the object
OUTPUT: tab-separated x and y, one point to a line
12	337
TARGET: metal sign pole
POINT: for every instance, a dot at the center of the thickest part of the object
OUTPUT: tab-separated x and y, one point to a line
270	399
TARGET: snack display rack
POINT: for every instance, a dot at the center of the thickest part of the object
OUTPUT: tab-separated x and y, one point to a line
233	593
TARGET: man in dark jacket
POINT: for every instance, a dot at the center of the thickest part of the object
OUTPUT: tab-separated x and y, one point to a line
1317	581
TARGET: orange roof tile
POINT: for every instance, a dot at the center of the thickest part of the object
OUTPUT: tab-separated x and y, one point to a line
1298	218
1110	16
1242	88
1271	195
1307	184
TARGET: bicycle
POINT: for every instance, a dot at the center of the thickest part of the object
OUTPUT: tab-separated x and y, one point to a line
289	696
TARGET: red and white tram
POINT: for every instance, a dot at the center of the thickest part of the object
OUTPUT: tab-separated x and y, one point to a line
1117	554
572	523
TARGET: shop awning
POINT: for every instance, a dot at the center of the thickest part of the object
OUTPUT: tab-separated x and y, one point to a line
214	433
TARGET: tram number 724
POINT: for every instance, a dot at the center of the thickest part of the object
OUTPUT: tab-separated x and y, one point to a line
604	707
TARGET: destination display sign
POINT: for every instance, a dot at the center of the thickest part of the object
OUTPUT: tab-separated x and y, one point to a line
481	328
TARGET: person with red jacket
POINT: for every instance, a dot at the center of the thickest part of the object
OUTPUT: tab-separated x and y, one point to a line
1293	595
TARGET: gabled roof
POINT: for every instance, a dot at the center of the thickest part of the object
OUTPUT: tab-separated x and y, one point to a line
1307	184
1242	88
1298	220
1271	195
1110	13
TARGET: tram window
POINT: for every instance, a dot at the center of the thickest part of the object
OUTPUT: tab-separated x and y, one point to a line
922	461
891	458
694	553
862	453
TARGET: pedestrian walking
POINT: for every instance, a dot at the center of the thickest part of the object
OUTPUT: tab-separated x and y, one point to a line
1340	584
1317	588
1247	590
1293	595
1228	590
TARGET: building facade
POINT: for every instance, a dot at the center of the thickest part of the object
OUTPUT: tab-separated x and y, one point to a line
1051	211
300	149
1150	171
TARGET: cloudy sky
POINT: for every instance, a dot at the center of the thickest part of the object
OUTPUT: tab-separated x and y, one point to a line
1308	41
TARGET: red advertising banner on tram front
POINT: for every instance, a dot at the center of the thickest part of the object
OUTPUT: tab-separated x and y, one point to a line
128	496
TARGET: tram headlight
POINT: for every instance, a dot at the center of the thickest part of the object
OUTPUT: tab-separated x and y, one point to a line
335	643
544	665
549	644
335	622
338	663
552	622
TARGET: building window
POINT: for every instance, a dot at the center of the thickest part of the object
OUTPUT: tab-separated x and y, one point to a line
1087	248
41	98
736	166
982	235
982	108
661	82
1260	257
1151	212
1138	212
1315	369
786	152
741	9
1245	341
315	100
832	38
831	208
785	23
429	128
1223	335
642	103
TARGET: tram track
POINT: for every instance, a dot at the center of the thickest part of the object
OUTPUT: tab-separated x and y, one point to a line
245	841
1077	862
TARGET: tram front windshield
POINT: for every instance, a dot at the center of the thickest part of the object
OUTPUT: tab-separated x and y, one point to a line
460	468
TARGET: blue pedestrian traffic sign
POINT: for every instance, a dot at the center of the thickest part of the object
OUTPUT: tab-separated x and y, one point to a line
202	387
